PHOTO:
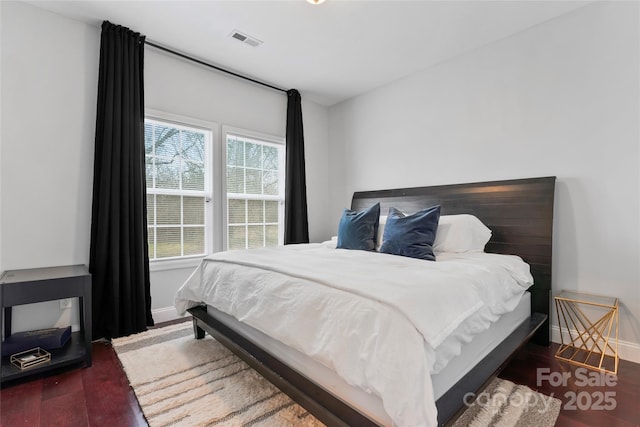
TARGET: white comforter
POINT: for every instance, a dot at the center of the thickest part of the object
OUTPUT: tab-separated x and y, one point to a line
378	320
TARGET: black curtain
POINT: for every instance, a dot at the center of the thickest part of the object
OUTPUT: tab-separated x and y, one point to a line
119	261
296	226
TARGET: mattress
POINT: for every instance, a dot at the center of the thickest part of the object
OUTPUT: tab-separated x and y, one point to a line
369	404
481	345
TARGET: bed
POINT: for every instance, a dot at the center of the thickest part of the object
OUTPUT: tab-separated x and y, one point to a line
520	216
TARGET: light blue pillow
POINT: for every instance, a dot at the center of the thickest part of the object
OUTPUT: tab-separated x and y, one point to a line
359	229
411	235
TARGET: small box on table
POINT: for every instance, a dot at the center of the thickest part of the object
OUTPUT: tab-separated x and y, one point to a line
30	358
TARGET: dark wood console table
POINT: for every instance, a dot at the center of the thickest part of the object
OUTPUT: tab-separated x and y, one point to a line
18	287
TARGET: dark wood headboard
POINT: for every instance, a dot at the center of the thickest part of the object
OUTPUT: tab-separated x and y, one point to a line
519	213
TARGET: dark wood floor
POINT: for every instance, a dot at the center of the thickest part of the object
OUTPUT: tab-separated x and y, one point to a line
100	395
95	396
584	388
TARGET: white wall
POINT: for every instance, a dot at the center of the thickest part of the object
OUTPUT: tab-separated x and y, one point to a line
561	98
49	93
49	86
316	149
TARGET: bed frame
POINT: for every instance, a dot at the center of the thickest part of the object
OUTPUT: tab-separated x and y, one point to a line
520	215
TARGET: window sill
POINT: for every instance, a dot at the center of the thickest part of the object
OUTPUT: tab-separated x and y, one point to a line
174	264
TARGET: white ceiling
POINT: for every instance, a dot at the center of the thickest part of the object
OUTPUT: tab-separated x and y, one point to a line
330	52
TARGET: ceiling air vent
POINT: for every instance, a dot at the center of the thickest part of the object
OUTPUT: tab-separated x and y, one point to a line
251	41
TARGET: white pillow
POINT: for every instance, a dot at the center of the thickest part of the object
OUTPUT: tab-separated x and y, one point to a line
461	233
383	221
331	243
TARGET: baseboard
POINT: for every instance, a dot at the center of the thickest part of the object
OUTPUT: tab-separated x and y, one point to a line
627	350
164	314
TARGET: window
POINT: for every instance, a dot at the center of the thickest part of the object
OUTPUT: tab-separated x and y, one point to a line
192	210
178	188
255	191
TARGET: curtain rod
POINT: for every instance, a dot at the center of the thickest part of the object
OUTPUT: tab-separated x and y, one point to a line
206	64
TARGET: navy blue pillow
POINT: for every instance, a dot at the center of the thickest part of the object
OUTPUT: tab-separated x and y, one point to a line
359	230
412	235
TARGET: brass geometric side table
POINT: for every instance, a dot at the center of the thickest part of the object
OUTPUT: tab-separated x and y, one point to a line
591	324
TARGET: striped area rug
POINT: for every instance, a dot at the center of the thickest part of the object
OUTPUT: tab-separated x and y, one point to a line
505	404
181	381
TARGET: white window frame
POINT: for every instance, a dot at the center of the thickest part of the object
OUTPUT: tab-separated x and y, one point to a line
211	159
261	138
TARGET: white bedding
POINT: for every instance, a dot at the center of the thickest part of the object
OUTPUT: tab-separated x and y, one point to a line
382	322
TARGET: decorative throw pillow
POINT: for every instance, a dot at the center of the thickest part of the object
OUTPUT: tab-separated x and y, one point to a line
359	229
411	235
